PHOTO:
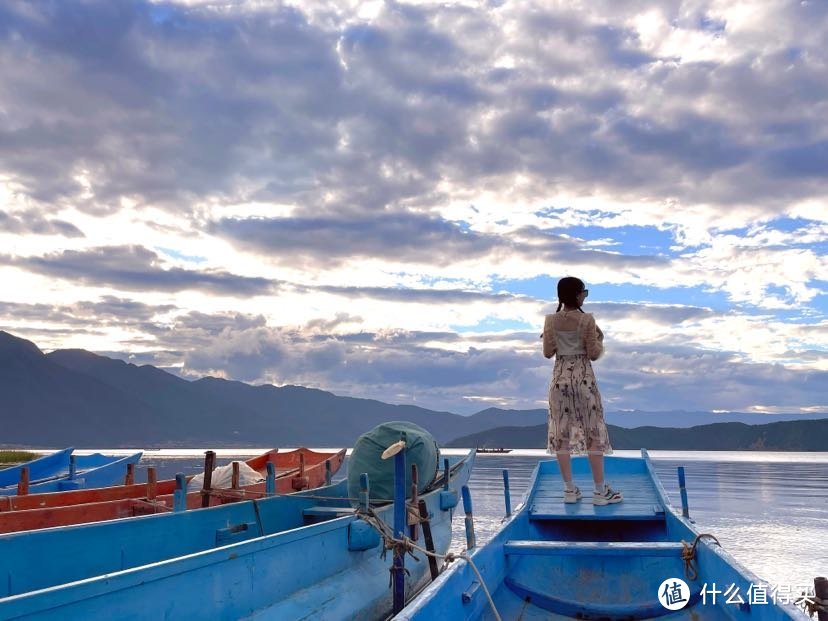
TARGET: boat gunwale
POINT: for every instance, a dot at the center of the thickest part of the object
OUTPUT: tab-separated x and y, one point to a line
86	588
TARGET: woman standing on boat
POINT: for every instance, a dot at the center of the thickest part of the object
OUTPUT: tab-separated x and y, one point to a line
576	415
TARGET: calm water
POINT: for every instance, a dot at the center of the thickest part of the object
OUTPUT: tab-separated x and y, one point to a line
770	510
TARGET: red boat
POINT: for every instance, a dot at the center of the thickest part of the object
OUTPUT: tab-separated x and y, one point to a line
295	470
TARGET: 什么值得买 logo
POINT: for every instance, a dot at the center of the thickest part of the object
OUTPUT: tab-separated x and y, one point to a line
674	594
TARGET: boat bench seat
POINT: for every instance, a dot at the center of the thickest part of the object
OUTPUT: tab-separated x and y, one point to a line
327	512
548	509
592	548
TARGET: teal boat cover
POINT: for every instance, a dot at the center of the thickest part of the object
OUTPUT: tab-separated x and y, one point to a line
420	449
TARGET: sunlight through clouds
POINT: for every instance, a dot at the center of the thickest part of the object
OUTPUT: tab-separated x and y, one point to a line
377	198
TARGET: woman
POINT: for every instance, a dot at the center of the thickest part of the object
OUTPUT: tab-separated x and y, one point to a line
576	416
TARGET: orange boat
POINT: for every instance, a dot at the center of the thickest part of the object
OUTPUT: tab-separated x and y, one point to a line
294	470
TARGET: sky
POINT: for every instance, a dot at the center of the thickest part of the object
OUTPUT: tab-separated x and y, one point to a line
378	198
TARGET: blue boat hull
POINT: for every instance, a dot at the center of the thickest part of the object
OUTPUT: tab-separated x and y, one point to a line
94	470
288	557
41	468
556	561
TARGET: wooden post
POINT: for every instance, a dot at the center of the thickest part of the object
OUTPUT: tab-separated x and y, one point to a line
209	464
398	572
429	540
234	481
413	530
152	480
23	483
507	496
364	491
685	507
270	481
821	591
129	479
446	474
328	475
471	541
180	494
73	467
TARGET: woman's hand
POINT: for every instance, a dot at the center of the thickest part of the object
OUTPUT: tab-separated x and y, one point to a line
600	334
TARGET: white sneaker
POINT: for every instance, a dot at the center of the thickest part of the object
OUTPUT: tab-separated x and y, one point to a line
572	495
608	497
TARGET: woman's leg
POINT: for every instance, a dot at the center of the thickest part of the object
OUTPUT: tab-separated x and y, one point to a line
596	463
565	464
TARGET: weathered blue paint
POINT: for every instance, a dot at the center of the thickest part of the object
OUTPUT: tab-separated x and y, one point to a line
685	507
507	495
365	491
180	493
290	560
45	467
80	471
556	561
399	530
471	541
362	536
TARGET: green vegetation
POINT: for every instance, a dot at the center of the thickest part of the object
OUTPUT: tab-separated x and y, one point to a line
15	457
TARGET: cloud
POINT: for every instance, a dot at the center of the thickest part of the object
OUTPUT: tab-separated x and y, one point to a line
34	223
330	111
134	268
374	199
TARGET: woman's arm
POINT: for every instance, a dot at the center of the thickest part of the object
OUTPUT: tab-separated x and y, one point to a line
548	335
593	338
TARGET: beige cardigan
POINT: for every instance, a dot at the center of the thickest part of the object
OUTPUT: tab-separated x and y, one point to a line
593	338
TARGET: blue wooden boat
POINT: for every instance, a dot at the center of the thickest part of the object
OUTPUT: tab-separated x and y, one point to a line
306	555
556	561
80	471
41	468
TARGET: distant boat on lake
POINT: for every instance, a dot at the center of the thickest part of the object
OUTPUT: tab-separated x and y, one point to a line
486	449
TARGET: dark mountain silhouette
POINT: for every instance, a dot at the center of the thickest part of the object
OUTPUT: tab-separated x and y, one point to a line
74	397
800	435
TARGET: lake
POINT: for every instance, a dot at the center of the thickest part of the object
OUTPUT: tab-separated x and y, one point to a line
770	510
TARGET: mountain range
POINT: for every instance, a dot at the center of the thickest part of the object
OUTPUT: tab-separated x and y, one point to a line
799	435
74	397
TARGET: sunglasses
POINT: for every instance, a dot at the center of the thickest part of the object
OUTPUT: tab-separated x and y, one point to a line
585	292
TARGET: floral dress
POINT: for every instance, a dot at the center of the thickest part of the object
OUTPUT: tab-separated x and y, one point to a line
576	414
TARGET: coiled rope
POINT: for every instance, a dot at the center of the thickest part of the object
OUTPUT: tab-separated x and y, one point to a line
812	604
688	555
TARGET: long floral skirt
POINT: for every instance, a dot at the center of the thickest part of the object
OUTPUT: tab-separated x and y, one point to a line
576	415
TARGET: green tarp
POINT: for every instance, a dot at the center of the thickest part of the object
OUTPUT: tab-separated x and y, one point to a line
421	449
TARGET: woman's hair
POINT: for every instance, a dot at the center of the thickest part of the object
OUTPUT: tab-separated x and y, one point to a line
568	289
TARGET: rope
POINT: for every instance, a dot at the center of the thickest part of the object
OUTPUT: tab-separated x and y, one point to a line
688	555
812	604
406	545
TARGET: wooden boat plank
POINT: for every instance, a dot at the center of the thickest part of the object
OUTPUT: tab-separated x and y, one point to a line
641	499
605	548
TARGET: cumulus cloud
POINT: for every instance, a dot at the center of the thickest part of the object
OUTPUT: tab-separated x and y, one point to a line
135	268
34	223
373	191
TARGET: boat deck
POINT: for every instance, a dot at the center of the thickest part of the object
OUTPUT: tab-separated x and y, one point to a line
640	499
